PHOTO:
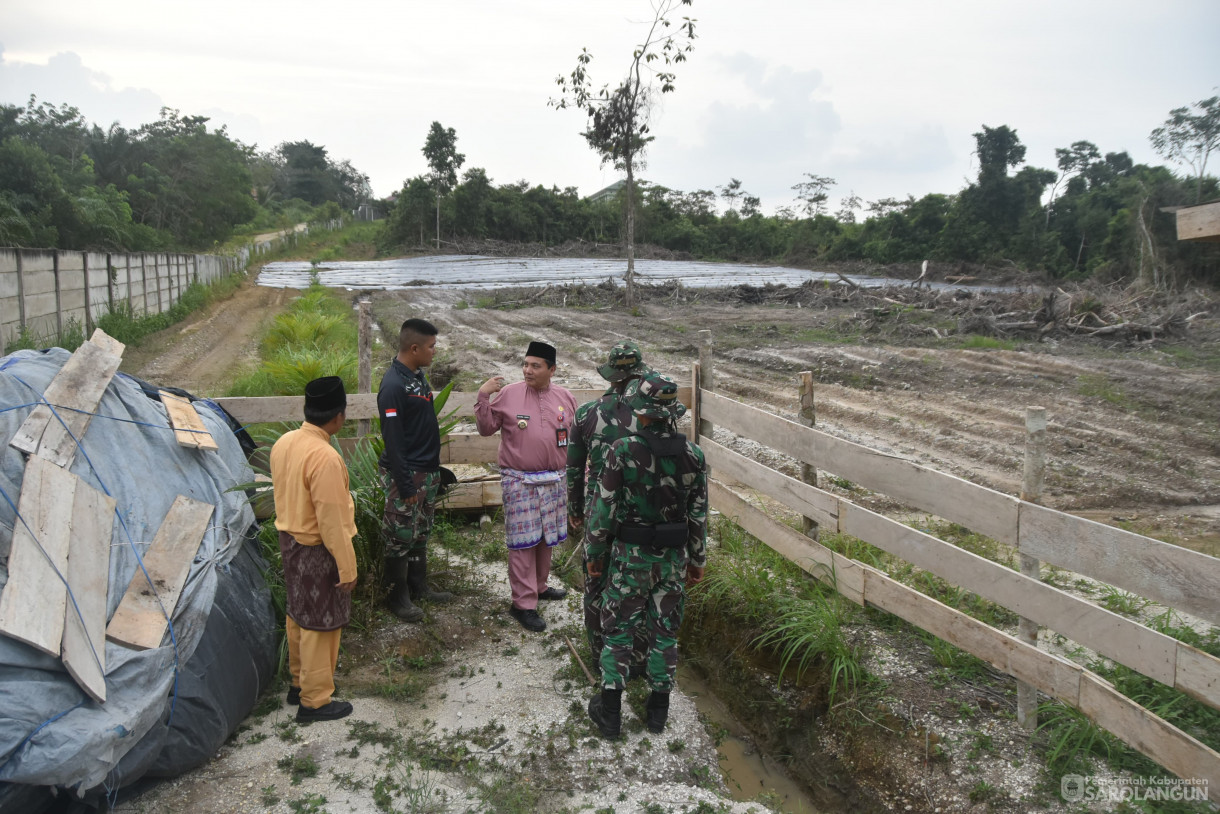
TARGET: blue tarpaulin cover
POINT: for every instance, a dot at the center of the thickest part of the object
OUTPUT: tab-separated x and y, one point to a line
169	708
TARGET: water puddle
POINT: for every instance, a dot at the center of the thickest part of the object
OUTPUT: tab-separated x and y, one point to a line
477	272
747	773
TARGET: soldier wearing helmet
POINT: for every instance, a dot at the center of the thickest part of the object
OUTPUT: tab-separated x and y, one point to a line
648	524
599	424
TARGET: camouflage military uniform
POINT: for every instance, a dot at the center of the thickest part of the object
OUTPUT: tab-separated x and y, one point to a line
406	526
656	481
597	425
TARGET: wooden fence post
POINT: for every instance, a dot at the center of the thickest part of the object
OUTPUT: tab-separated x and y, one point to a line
1031	491
696	403
706	377
809	472
364	361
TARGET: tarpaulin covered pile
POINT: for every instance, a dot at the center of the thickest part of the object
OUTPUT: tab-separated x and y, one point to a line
169	707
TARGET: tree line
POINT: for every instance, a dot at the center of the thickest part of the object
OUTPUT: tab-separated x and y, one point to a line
1097	214
178	184
170	184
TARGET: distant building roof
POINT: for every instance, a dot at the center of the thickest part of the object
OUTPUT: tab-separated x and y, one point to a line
607	193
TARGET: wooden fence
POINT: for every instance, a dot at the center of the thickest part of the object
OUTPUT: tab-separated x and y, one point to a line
1176	577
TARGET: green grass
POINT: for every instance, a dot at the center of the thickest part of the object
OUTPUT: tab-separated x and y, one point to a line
1099	385
978	342
315	337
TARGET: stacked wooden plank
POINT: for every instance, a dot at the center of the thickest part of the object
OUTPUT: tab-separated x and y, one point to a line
55	599
188	427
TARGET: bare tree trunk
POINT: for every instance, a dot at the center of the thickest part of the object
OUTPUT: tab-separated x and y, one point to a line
629	280
438	222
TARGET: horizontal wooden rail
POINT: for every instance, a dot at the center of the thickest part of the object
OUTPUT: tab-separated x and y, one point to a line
976	507
1171	575
1131	723
1126	641
274	409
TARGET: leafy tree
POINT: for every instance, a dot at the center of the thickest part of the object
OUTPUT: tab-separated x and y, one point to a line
812	194
731	192
848	207
444	160
305	172
411	212
1190	138
619	119
1072	161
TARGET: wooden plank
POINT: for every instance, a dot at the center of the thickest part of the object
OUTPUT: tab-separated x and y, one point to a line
978	508
1200	222
1051	674
1145	732
188	426
1197	675
473	495
808	500
144	611
470	448
32	605
844	574
1174	576
84	639
79	384
1152	654
275	409
107	343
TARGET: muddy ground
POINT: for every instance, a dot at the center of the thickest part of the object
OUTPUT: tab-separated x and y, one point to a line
1133	440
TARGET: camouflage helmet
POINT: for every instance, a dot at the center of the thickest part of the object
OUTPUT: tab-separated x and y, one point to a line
657	397
625	360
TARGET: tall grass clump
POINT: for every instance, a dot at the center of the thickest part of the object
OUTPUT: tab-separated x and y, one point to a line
316	337
782	611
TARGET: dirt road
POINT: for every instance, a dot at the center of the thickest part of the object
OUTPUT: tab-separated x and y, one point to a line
205	353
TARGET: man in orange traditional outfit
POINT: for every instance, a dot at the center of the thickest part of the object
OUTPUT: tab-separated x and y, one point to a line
316	520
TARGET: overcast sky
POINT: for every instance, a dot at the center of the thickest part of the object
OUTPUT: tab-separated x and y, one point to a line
882	96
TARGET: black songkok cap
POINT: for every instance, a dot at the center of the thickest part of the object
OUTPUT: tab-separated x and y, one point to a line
326	393
543	351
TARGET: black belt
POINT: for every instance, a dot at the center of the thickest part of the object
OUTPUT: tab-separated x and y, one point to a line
662	535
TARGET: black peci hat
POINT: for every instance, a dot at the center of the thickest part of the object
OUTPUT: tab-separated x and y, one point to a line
326	393
542	351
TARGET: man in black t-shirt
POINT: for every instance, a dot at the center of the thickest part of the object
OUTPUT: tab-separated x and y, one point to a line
410	469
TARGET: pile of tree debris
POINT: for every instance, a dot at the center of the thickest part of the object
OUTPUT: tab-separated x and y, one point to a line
1002	312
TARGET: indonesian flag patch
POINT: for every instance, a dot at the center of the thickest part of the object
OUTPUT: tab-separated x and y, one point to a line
391	413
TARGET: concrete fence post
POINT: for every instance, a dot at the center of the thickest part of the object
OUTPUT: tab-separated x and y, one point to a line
364	361
706	378
809	471
1031	491
20	290
59	305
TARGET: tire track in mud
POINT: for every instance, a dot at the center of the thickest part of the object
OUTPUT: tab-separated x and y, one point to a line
208	350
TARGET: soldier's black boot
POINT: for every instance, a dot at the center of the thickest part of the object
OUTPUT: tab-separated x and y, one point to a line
399	600
606	710
657	708
417	581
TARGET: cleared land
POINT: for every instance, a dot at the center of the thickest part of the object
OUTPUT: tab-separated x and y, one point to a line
1133	440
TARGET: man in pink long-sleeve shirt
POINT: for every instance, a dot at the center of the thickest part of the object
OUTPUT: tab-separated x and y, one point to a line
534	418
